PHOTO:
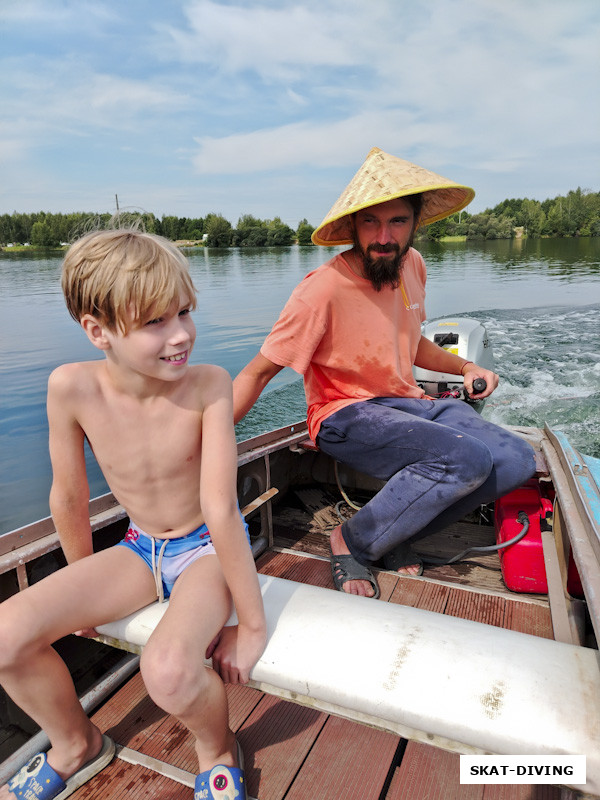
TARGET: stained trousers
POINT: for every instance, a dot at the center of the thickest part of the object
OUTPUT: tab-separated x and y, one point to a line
440	460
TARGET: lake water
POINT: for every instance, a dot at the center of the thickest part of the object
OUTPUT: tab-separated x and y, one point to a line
540	301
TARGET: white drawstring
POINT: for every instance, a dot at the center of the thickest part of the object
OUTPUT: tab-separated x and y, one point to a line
157	568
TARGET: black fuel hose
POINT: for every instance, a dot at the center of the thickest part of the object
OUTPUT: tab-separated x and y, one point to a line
492	548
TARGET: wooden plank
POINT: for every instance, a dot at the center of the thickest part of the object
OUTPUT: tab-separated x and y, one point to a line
172	743
420	594
276	739
313	571
428	773
130	717
523	791
348	760
308	540
489	609
468	573
529	618
122	781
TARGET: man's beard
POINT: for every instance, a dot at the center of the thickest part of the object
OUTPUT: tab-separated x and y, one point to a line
383	271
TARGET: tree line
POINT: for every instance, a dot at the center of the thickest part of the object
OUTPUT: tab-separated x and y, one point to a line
576	214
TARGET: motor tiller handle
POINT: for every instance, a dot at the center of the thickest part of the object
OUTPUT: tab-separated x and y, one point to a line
479	385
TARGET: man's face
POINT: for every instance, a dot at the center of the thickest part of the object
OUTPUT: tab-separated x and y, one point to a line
383	235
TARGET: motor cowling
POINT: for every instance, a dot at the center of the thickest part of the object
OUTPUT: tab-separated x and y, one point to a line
466	338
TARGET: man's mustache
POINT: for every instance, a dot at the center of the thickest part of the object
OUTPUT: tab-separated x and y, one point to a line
391	247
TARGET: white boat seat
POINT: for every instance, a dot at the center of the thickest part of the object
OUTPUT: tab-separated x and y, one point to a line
446	681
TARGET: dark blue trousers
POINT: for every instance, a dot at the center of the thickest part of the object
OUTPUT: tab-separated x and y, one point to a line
439	458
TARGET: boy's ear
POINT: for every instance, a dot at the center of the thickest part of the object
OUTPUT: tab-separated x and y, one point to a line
95	331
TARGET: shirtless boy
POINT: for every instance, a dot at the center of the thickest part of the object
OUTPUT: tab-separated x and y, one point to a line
162	432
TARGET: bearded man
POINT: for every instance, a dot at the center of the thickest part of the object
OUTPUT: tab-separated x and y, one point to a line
352	328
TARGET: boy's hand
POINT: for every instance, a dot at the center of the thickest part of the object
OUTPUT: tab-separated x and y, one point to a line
87	633
235	651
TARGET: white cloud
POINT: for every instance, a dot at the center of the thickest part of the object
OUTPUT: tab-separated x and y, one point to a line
56	14
234	38
246	93
314	143
53	99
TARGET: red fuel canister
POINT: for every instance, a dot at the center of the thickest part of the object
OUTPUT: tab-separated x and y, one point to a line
522	564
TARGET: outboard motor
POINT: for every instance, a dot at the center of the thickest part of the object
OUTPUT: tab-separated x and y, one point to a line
465	337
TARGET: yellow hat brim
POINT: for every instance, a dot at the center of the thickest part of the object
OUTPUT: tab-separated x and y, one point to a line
381	178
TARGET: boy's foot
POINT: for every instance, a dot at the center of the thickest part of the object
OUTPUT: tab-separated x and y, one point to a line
38	779
348	575
223	782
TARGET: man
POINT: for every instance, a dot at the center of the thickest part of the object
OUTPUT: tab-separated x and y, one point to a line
352	328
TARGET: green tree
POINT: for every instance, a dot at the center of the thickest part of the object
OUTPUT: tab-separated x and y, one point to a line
280	234
169	228
556	221
436	230
250	232
219	231
43	236
531	217
304	232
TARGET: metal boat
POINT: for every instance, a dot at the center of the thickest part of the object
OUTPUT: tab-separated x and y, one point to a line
355	697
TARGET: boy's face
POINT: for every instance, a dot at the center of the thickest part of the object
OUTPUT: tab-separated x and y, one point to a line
159	348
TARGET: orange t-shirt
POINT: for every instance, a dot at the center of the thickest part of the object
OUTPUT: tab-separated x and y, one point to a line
349	341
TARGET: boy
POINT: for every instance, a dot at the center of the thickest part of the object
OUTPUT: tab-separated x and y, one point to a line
162	432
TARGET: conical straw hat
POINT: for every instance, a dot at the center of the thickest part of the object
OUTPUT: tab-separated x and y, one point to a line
383	177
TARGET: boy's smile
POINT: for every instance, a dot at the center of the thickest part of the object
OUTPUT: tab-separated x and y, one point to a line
176	359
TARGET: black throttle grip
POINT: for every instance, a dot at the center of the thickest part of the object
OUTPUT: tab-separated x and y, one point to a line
479	385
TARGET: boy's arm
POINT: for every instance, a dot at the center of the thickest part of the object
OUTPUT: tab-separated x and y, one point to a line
69	495
239	649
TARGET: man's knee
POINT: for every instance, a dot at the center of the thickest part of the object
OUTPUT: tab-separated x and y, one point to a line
470	461
515	464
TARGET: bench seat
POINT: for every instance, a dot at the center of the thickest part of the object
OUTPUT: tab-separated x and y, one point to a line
454	683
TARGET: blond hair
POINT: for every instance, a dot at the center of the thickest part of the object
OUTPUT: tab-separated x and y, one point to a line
124	278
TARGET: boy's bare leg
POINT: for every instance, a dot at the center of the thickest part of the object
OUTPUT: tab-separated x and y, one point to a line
173	667
32	672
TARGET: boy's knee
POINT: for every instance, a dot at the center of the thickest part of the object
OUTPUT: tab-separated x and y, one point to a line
171	675
14	643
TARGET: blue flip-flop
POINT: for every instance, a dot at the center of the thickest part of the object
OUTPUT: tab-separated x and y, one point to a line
222	783
38	779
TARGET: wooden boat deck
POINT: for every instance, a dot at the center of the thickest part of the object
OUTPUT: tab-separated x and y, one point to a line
296	752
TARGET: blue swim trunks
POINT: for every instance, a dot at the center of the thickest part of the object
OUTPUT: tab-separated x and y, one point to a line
167	558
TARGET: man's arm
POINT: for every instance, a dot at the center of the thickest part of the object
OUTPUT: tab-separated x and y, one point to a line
69	495
250	382
432	356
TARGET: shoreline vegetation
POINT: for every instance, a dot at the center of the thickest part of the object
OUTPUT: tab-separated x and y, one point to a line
574	215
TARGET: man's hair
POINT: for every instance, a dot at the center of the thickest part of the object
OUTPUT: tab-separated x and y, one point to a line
124	278
416	201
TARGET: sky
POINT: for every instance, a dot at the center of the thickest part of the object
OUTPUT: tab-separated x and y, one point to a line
269	107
